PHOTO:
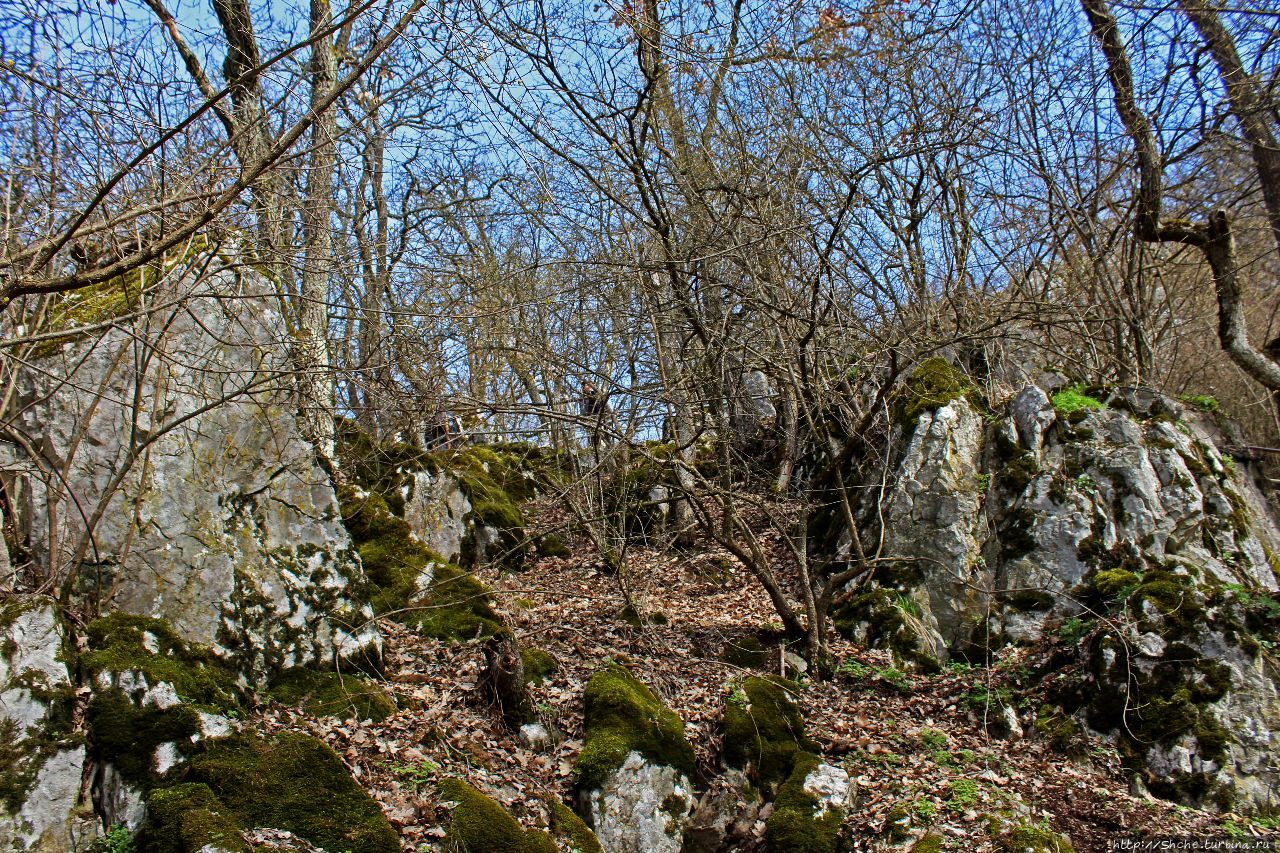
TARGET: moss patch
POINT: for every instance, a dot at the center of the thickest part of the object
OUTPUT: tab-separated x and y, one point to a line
766	731
1073	402
479	825
795	825
622	715
746	651
455	606
570	829
1025	838
332	694
124	643
187	817
933	384
538	664
293	782
127	736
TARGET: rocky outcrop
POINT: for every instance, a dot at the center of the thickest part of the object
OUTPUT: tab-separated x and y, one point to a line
166	471
635	769
1111	518
436	509
41	759
935	520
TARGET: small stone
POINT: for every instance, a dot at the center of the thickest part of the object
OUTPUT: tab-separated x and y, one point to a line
535	736
796	663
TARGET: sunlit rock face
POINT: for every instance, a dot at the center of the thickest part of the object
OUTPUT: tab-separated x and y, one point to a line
1116	523
167	467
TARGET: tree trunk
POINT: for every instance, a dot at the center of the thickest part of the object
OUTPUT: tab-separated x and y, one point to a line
503	680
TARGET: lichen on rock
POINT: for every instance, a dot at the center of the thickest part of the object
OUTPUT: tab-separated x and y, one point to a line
41	755
221	522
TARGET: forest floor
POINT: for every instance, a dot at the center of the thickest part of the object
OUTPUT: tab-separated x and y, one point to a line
915	745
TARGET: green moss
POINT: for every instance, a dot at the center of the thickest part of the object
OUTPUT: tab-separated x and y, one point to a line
795	825
622	715
479	825
1026	838
746	651
538	664
1019	472
186	817
1029	599
570	829
1203	402
1073	401
127	736
1061	730
1114	584
383	468
293	782
766	732
455	606
23	753
118	643
551	545
931	843
332	694
933	384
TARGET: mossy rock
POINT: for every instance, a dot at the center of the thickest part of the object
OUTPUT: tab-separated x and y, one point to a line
930	843
455	606
934	383
637	619
124	643
332	694
879	611
538	664
126	735
296	783
394	560
622	716
1026	838
795	825
479	825
551	545
383	468
187	817
748	652
765	732
570	830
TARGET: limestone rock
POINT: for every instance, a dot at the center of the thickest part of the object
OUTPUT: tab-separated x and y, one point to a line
830	786
726	815
642	806
46	764
436	510
221	521
934	518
